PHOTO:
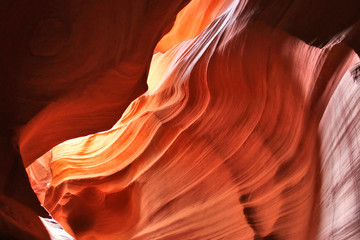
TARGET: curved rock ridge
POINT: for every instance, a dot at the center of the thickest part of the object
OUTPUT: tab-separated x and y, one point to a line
68	69
225	143
78	60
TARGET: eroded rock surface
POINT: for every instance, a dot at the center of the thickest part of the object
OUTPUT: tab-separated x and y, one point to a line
246	129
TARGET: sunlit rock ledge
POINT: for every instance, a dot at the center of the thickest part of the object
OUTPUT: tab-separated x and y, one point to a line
196	119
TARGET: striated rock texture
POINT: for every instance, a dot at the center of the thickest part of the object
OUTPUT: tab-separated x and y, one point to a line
67	69
339	130
246	129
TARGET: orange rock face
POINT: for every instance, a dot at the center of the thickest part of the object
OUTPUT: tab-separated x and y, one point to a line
239	123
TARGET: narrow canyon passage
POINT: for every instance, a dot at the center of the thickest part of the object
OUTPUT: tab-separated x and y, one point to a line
196	119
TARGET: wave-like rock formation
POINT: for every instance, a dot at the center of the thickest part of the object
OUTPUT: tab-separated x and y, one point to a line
241	122
68	69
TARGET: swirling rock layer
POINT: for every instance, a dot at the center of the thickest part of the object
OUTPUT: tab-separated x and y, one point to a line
247	130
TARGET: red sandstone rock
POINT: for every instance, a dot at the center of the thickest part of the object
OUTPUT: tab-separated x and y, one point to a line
224	144
19	222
